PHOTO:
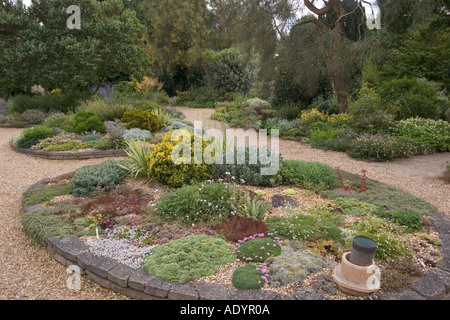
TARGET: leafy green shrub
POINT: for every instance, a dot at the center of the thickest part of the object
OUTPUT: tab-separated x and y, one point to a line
182	170
340	142
432	133
382	147
310	175
201	97
43	103
258	249
239	227
88	121
39	225
248	165
88	178
188	258
225	71
390	238
355	207
63	122
410	220
407	97
313	115
248	277
141	119
305	227
44	194
32	136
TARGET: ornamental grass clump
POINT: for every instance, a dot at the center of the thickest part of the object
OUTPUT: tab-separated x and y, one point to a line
39	225
188	258
138	154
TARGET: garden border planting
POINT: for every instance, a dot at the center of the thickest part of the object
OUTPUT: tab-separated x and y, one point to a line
70	155
138	284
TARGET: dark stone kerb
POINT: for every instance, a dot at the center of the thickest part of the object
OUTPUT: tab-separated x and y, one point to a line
70	155
138	284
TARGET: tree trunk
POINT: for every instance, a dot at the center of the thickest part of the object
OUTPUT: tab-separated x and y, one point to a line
336	67
337	71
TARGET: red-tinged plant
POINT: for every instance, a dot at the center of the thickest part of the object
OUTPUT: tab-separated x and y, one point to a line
363	181
238	227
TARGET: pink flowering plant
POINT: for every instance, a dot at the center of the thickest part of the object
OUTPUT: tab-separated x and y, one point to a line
258	248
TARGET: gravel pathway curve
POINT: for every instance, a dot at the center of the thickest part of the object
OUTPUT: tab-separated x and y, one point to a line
418	175
27	271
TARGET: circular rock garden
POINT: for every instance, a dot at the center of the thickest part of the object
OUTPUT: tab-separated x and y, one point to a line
98	130
149	228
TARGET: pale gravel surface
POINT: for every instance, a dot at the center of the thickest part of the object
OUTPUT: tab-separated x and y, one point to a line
29	272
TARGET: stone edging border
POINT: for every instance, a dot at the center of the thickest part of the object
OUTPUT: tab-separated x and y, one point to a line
138	284
70	155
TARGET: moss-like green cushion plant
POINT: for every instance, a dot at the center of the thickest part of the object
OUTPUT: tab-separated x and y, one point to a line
248	277
188	258
258	249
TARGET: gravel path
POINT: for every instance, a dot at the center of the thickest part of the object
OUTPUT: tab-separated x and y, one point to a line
418	175
29	272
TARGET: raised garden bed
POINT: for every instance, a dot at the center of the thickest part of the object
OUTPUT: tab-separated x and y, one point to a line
130	232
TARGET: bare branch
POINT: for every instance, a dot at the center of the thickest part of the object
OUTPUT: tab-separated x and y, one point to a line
316	21
314	9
